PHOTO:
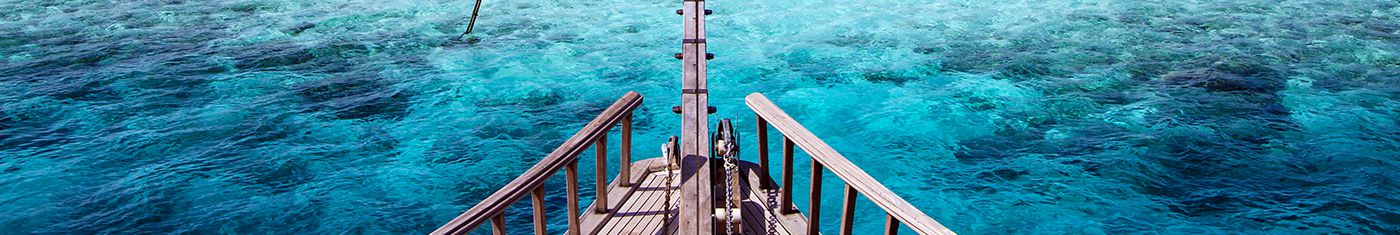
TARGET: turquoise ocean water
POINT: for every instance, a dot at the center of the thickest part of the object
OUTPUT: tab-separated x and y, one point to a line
994	117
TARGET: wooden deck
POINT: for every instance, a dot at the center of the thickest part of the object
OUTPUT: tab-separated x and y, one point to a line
696	192
641	210
635	202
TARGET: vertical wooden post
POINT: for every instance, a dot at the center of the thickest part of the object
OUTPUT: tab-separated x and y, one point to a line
848	210
472	23
891	224
815	199
571	175
785	195
600	204
537	200
625	153
498	224
763	154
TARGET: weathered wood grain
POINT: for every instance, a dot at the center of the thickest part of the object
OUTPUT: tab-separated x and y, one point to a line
625	153
696	201
498	224
600	204
848	210
643	210
537	201
571	181
592	223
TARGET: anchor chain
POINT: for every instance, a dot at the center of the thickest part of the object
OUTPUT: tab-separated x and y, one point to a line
729	170
668	151
727	146
773	215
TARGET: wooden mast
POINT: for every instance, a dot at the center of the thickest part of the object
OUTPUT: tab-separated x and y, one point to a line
696	207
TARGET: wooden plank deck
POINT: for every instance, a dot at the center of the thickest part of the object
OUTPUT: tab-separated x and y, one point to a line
641	208
636	203
697	196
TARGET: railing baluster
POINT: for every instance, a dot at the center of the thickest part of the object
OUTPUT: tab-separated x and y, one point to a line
891	224
537	200
571	175
625	153
786	193
498	224
767	181
815	198
600	204
531	181
900	213
848	210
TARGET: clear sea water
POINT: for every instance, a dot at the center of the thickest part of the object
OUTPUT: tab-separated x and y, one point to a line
994	117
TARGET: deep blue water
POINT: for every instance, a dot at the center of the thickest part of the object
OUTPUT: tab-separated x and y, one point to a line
994	117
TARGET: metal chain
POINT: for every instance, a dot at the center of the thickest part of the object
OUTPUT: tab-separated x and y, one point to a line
669	176
669	155
773	215
727	146
729	169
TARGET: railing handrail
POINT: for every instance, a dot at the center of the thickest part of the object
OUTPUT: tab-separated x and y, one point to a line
538	174
854	176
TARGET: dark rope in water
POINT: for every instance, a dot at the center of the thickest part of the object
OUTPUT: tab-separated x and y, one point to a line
472	23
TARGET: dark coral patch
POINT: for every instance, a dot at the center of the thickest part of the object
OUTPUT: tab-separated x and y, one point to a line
355	97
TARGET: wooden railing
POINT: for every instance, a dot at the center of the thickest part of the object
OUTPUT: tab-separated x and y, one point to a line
857	181
566	156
